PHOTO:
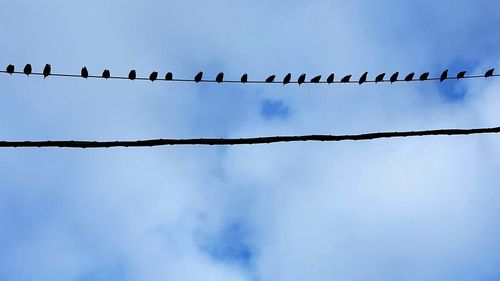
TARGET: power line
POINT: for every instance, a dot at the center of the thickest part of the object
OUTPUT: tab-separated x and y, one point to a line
380	78
246	141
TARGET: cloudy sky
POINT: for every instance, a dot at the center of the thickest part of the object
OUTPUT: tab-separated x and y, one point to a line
399	209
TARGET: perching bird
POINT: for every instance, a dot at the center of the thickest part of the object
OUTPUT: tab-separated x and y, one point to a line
220	77
302	79
424	76
394	77
316	79
363	78
346	79
153	76
379	78
444	76
461	74
198	77
46	70
244	78
27	69
409	77
270	79
169	76
106	74
132	75
287	79
10	69
84	73
330	78
489	73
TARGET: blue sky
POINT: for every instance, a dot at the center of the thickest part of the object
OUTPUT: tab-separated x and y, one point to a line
399	209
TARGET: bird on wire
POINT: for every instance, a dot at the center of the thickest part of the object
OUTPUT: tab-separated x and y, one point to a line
132	75
28	69
287	79
394	77
379	78
270	79
198	77
316	79
106	74
153	76
363	78
444	75
302	79
169	76
409	77
46	70
346	79
424	76
244	78
330	78
220	78
489	73
84	72
10	69
461	74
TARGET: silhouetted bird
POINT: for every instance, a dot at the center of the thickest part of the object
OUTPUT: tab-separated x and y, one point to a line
84	73
220	77
461	74
153	76
132	75
244	78
46	70
169	76
106	74
316	79
489	73
10	69
409	77
394	77
380	77
302	79
363	78
330	78
287	79
424	76
198	77
444	76
270	79
27	69
346	79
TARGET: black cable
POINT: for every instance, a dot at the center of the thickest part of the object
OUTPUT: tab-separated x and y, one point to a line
248	141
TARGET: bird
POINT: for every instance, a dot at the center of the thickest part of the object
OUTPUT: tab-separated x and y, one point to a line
489	73
424	76
287	79
316	79
270	79
363	78
394	77
409	77
330	78
106	74
169	76
461	74
198	77
380	77
220	77
444	76
153	76
132	74
244	78
302	79
10	69
27	69
84	73
346	79
46	70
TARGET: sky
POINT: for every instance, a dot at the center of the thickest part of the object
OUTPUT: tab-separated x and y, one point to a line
395	209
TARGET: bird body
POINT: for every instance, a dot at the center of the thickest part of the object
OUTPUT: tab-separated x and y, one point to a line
169	76
287	79
270	79
132	75
424	76
409	77
316	79
346	79
46	70
302	79
10	69
444	76
461	74
244	78
363	78
27	69
84	73
198	77
489	73
153	76
330	78
394	77
380	77
106	74
220	77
